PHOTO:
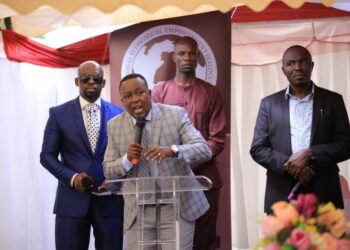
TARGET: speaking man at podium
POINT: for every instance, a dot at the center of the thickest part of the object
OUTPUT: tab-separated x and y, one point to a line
168	145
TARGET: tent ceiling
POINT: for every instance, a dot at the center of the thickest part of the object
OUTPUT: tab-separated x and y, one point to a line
33	18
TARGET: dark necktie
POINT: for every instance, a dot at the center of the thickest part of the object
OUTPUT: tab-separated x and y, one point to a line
144	164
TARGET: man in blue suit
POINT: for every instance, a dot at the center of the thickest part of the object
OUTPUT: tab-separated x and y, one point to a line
79	172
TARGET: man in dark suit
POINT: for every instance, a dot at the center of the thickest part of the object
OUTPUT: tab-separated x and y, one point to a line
301	134
78	204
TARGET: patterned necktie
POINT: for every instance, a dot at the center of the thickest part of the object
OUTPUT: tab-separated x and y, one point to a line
93	126
144	164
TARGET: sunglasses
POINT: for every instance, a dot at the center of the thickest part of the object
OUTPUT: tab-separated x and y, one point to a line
86	78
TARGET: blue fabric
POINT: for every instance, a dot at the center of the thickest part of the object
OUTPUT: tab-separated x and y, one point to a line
65	135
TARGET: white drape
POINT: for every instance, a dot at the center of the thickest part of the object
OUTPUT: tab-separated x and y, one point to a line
28	190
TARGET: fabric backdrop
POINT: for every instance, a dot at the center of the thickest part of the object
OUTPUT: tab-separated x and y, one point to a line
28	190
255	73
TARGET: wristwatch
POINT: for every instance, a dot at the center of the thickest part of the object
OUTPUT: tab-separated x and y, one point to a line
175	150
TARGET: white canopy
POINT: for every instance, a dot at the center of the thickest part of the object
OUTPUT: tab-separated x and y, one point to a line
33	18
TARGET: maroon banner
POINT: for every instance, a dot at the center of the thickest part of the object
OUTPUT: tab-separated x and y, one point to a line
147	49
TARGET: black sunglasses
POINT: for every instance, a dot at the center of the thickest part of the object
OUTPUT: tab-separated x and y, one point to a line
86	78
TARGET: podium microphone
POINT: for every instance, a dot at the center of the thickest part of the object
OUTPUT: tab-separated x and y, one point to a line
312	161
140	124
291	195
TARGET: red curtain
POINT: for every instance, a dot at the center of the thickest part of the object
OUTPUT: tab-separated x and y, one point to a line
21	49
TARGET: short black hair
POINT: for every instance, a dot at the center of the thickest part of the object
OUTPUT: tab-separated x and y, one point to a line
182	39
132	76
297	46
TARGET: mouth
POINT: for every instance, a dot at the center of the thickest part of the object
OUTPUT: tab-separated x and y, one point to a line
91	90
137	109
298	77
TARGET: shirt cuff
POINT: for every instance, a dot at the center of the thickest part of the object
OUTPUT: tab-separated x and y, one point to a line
72	180
127	165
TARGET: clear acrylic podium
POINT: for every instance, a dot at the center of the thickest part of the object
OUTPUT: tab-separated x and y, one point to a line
158	191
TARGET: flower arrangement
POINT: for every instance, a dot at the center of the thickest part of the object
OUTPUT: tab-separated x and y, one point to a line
303	224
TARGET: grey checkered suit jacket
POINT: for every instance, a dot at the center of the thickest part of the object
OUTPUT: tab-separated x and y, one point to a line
169	126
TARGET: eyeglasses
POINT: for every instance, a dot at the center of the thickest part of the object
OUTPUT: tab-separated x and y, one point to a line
86	78
138	94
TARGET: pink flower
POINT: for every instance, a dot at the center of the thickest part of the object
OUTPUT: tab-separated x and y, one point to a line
306	205
285	212
330	241
273	246
343	244
270	226
299	239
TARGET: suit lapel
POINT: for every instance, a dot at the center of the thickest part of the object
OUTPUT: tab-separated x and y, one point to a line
316	113
156	124
285	120
105	114
128	129
79	121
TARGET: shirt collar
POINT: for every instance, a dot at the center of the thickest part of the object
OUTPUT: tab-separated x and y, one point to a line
84	102
147	118
287	94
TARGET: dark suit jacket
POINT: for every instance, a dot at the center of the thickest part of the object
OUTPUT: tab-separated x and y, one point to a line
65	135
330	141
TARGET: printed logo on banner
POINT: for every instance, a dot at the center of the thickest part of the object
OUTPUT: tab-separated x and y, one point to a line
150	55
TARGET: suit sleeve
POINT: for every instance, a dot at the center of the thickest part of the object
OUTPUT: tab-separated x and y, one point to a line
261	150
113	160
334	146
194	148
51	149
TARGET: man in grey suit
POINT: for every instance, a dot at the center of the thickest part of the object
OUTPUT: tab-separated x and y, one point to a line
301	133
174	143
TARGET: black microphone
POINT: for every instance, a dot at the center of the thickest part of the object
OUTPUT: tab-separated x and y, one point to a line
86	182
140	124
312	161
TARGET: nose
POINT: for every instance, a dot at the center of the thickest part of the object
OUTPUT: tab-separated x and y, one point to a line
135	97
297	65
91	81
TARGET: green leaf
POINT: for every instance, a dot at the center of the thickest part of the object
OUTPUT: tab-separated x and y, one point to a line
287	246
283	235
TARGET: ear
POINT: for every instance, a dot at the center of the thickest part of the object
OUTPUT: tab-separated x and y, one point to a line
103	83
76	82
173	56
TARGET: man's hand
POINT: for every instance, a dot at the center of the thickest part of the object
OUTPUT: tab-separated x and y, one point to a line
79	183
102	187
297	162
158	153
306	175
134	151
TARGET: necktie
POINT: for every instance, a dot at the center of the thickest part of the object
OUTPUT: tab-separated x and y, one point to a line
93	125
144	164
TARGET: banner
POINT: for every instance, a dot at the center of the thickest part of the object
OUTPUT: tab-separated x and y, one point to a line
147	49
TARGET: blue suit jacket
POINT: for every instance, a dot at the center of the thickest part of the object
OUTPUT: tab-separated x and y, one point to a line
330	141
66	151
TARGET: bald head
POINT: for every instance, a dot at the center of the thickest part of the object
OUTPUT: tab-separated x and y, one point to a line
85	66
